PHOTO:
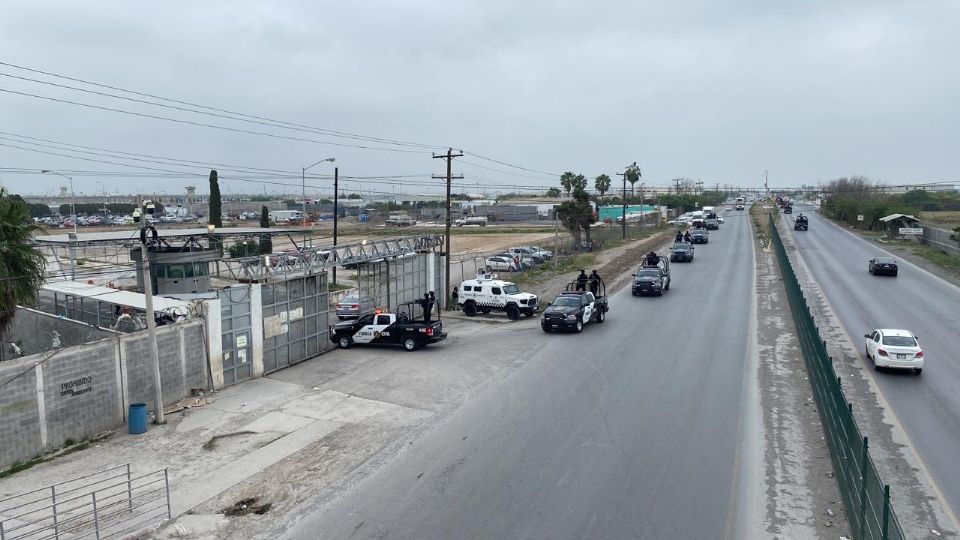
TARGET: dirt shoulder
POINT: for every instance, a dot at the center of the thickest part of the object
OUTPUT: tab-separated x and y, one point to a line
802	496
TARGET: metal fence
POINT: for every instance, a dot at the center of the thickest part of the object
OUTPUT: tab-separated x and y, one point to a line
865	497
108	504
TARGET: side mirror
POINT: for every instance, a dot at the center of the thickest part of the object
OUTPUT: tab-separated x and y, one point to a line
634	275
866	335
549	304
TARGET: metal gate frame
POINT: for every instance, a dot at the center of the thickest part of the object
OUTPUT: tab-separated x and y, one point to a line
236	334
295	320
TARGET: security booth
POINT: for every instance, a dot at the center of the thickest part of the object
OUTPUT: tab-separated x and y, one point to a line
178	269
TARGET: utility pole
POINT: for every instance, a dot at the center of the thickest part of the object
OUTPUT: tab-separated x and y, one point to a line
766	188
446	240
145	241
677	180
336	179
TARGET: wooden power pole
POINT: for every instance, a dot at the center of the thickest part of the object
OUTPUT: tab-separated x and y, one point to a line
446	239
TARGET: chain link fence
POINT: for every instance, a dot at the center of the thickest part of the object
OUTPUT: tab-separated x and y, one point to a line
865	497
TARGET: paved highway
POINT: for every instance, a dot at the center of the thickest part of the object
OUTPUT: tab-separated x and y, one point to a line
630	429
928	405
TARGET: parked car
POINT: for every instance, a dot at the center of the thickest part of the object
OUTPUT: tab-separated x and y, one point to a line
355	306
500	264
890	347
883	265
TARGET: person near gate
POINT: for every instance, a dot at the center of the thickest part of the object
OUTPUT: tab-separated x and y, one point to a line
427	307
455	295
433	302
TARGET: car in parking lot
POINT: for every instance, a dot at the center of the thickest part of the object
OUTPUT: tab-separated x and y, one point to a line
354	306
500	264
896	348
883	265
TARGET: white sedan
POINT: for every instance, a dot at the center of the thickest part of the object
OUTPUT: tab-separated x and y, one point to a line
502	264
889	347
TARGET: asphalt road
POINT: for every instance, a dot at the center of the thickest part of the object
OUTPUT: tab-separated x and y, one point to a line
631	429
928	405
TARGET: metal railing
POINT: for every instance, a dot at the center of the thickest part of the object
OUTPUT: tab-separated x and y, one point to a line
280	266
865	497
106	504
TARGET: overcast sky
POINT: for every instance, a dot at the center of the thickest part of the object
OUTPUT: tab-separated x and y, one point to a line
716	91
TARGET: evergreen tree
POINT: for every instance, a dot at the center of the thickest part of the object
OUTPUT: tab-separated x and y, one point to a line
216	212
266	243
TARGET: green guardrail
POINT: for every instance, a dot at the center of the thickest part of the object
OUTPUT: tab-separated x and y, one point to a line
865	497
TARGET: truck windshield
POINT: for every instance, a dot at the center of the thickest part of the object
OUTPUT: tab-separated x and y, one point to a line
648	273
511	289
566	301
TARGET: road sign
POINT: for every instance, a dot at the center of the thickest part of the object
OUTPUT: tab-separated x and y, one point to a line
911	230
859	217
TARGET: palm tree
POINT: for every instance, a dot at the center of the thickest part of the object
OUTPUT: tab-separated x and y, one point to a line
566	181
602	184
633	176
21	265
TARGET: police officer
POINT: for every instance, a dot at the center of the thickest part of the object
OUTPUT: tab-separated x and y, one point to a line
427	307
582	280
594	282
679	237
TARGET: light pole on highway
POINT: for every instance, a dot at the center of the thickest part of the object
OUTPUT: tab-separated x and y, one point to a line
303	180
73	196
73	237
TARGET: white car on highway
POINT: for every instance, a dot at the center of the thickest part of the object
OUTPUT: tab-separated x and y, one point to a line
888	347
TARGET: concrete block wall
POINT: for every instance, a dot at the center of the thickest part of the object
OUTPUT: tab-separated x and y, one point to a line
81	393
77	392
178	374
19	412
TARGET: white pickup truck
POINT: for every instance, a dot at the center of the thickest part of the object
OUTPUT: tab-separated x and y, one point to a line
472	220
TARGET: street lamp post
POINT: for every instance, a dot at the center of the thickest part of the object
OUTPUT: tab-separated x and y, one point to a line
303	181
73	211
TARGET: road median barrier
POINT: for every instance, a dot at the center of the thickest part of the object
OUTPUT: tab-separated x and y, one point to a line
865	497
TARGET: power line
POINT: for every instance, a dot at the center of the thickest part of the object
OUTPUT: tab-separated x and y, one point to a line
202	124
261	119
280	123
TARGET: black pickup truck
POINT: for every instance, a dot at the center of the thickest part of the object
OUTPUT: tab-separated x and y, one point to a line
388	328
652	278
573	309
681	252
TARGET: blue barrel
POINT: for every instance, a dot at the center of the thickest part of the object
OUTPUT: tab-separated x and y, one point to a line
137	418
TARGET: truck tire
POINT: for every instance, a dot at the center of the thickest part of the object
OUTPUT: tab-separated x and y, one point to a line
579	327
667	286
602	317
513	313
410	344
470	309
345	342
546	329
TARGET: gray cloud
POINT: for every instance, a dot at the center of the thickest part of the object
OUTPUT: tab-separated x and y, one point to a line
713	90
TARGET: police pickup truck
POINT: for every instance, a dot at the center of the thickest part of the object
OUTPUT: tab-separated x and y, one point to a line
652	278
573	309
388	328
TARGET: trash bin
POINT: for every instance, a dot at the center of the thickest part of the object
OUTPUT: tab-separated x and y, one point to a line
137	418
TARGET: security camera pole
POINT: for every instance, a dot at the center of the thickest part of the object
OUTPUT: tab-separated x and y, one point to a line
151	322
